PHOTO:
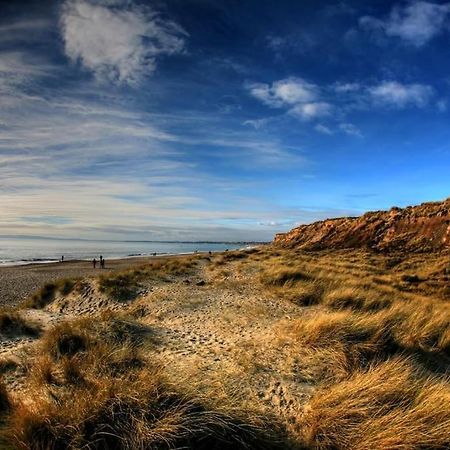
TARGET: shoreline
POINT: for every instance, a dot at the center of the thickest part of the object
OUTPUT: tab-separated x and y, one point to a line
18	282
25	263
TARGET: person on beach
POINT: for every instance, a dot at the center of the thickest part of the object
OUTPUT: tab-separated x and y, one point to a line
102	263
62	258
94	263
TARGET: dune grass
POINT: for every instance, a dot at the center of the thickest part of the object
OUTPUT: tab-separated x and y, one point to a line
356	299
121	286
286	277
48	292
387	406
371	340
93	387
13	323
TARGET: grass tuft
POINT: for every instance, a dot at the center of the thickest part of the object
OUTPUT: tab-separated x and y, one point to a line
122	286
48	292
13	323
388	406
283	277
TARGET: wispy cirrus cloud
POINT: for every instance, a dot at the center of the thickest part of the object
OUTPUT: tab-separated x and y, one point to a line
25	29
321	128
387	93
345	88
415	23
74	156
118	41
345	127
18	70
197	150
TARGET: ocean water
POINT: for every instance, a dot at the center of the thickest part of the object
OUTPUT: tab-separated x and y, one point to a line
25	251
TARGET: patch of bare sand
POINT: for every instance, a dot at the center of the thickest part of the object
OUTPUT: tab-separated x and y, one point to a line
225	338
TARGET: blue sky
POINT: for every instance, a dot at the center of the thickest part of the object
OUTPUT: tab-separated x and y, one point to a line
218	119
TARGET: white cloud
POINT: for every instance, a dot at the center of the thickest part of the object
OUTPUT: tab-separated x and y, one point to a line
346	87
323	129
309	111
118	41
397	95
257	123
300	98
350	129
288	91
309	102
442	105
416	22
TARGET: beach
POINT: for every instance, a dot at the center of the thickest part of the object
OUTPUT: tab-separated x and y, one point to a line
19	282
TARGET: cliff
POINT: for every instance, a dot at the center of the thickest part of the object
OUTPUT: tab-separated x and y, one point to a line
421	228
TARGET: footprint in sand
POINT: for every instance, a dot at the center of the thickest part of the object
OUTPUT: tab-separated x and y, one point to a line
278	395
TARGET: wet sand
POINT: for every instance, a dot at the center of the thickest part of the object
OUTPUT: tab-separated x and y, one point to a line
19	282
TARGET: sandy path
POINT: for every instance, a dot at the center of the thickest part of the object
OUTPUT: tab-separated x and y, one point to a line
227	336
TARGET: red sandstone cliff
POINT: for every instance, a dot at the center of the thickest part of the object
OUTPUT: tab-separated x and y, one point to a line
421	228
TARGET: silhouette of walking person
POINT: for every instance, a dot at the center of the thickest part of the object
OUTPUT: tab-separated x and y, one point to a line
94	263
102	262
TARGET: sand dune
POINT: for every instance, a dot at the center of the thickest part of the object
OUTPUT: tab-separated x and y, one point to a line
266	334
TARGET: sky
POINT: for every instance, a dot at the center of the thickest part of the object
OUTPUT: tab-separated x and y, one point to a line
218	119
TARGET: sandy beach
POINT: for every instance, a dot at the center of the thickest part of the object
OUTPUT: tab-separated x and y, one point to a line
19	282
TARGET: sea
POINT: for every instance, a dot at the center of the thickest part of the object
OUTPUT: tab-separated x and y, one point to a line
15	251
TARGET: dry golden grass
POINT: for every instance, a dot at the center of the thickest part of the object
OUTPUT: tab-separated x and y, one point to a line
92	387
367	335
306	293
357	339
387	406
285	277
48	292
122	286
13	323
356	299
125	285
